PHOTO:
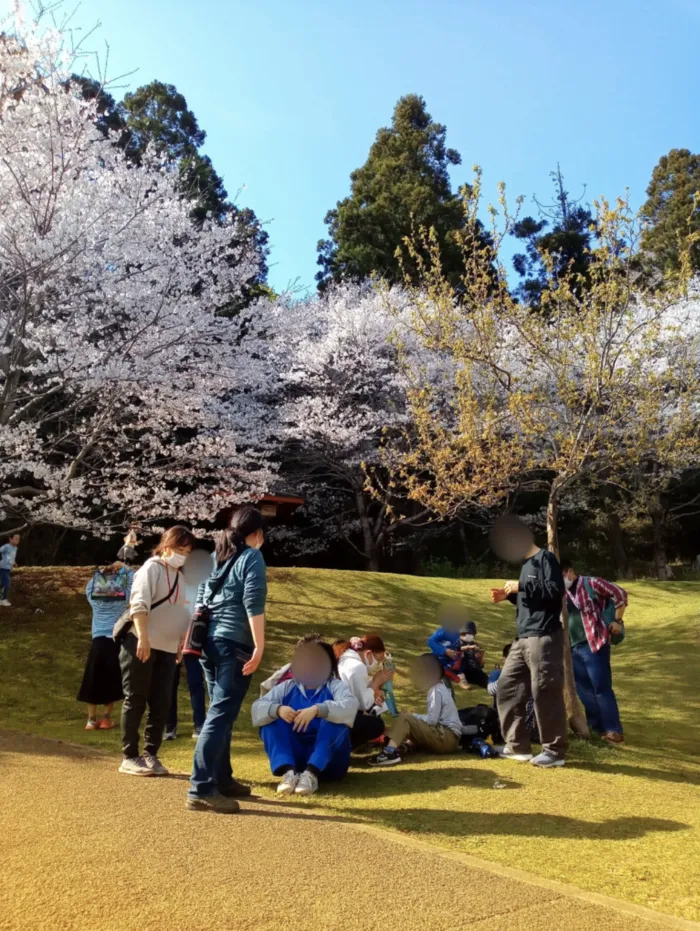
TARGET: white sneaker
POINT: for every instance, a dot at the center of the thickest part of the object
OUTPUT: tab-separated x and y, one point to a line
289	783
155	765
5	603
546	761
307	784
136	766
507	754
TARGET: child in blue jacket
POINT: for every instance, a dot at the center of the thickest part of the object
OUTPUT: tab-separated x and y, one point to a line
305	721
454	645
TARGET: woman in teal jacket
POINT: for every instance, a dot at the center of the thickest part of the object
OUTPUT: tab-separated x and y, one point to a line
235	595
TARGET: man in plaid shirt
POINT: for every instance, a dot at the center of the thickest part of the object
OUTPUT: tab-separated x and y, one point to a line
589	599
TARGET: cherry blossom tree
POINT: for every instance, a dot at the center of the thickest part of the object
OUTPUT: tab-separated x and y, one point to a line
337	392
117	374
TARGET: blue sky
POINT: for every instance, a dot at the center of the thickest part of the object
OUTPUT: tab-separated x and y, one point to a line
292	92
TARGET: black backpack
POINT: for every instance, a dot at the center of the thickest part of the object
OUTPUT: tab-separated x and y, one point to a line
482	721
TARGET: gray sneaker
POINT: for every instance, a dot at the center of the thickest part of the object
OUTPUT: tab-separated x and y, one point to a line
136	766
215	804
155	765
546	761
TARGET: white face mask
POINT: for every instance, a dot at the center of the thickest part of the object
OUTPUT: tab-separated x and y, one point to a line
569	583
175	560
259	542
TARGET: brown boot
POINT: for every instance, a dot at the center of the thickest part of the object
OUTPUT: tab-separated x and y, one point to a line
613	737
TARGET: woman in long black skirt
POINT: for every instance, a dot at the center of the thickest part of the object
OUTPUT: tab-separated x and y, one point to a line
108	593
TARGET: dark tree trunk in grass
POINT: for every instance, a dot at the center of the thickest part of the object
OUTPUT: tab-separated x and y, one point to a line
617	545
658	516
574	708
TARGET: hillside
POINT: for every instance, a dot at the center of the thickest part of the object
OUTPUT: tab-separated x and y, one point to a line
630	813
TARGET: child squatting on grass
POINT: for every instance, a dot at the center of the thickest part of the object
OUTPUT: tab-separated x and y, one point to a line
438	731
305	721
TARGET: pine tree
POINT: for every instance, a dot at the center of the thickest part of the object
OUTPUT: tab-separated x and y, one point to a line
671	210
563	232
404	184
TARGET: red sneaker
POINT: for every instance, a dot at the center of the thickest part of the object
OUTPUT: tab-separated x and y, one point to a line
106	724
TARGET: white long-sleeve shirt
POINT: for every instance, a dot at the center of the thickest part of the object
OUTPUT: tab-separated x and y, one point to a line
342	709
442	709
353	672
167	624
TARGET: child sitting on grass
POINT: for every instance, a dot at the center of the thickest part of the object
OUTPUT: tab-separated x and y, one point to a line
438	731
305	721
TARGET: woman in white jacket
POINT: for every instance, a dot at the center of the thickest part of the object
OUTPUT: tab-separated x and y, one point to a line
160	614
356	657
305	721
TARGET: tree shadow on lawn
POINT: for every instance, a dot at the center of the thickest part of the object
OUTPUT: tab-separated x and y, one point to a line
375	783
473	823
620	769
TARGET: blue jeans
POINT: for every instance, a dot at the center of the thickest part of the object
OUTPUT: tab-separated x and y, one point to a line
195	684
593	678
223	662
326	747
5	577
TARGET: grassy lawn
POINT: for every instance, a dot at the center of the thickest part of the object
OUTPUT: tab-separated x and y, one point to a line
621	821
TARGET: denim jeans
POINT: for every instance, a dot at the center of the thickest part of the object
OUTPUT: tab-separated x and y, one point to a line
593	677
195	684
5	578
223	662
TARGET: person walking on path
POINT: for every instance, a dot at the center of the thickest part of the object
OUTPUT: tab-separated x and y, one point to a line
159	612
535	665
108	592
8	556
589	600
235	595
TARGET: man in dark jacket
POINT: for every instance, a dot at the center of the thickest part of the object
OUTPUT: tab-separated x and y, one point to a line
535	665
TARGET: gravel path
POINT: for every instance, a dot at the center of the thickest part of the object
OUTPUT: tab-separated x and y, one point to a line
85	848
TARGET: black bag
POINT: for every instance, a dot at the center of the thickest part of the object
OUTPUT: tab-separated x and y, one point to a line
479	721
124	622
198	631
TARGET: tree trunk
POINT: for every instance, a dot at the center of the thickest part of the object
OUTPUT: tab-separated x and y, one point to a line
464	541
617	545
372	547
574	709
663	571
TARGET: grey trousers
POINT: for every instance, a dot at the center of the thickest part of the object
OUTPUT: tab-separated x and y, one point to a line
534	669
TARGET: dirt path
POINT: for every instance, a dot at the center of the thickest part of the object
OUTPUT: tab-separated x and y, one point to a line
84	848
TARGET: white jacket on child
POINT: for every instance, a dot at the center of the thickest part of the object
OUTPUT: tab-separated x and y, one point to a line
341	710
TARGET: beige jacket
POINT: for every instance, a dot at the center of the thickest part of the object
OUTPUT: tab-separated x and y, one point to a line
167	624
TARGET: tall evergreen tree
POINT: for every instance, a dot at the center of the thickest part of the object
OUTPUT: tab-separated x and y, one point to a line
157	114
404	184
564	231
671	209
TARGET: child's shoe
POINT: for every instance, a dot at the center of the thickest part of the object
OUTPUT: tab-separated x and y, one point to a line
463	684
388	757
288	783
307	784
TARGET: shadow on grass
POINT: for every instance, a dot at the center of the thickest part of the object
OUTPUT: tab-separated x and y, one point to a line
472	823
374	783
620	769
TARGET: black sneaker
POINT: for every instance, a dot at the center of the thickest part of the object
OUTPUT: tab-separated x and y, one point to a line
388	757
235	790
216	804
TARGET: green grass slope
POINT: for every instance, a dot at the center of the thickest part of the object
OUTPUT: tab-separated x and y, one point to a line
621	821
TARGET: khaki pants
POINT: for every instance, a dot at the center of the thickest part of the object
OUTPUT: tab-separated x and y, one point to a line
432	737
534	669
